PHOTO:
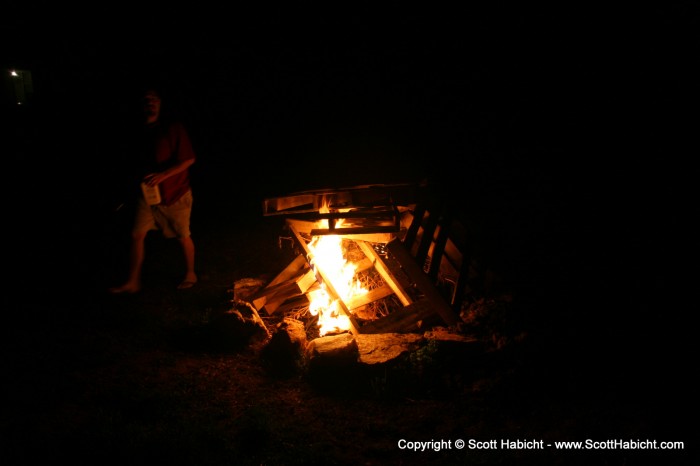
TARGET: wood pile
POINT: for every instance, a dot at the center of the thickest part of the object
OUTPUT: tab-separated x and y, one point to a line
415	248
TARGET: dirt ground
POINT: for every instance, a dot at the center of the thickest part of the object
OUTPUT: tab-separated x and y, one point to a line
143	379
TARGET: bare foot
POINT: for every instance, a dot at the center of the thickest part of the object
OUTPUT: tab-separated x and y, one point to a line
187	284
127	288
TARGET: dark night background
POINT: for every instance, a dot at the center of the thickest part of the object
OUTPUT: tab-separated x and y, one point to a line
560	133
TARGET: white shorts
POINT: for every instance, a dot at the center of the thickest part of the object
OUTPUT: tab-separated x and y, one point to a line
172	220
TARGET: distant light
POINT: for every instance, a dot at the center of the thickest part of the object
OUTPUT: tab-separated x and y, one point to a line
13	73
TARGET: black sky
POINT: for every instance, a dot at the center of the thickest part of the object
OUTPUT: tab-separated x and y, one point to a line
545	120
378	84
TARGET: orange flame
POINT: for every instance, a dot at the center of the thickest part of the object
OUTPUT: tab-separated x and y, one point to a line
328	255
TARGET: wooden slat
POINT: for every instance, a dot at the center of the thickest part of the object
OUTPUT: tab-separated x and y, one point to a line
416	221
386	274
367	196
282	291
290	271
426	239
303	285
453	257
403	320
438	248
355	230
300	301
282	204
372	234
364	264
422	281
370	297
460	286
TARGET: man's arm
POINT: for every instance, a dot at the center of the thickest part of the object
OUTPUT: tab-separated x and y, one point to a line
157	178
184	158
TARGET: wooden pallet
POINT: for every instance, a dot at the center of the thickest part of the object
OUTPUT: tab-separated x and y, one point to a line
424	264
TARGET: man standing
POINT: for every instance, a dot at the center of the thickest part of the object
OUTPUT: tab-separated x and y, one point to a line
166	202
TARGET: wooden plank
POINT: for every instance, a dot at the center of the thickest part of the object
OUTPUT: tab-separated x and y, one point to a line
378	213
357	231
282	204
460	286
438	249
369	297
404	320
273	288
357	196
302	226
301	301
426	239
386	274
416	220
422	281
296	285
453	256
304	285
372	235
364	264
290	271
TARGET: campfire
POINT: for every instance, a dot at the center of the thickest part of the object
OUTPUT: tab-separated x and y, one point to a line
328	255
367	260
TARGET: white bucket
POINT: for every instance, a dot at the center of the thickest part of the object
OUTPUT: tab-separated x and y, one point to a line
151	194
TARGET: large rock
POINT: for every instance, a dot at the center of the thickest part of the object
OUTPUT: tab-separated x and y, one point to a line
284	352
334	350
332	363
380	348
237	327
390	364
460	349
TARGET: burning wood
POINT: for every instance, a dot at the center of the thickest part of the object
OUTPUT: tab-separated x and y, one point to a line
328	227
295	279
337	279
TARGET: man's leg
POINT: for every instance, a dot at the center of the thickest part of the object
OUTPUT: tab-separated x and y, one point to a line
136	256
188	251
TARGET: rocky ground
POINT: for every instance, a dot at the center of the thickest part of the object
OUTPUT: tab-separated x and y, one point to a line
150	378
